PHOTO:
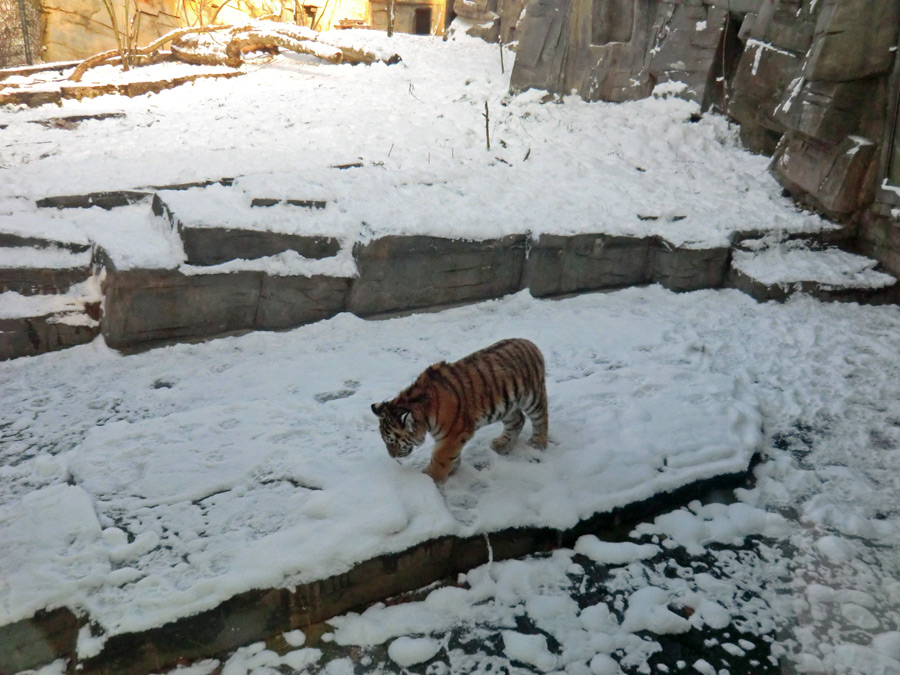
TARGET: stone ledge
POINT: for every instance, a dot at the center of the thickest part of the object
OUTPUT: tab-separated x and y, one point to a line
145	306
400	273
265	613
30	336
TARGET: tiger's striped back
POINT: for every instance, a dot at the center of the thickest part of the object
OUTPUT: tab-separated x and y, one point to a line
504	382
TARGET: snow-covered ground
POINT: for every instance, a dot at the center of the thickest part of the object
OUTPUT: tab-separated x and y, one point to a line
88	428
417	128
184	476
171	478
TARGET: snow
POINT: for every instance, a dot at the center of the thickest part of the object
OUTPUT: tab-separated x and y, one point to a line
417	130
202	472
406	652
807	557
156	485
51	257
791	263
529	649
64	308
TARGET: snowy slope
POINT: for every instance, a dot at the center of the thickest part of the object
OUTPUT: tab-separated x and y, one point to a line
417	130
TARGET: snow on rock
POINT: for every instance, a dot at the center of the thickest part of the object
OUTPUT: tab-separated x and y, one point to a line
699	525
614	553
824	377
51	538
831	268
647	610
529	649
51	257
406	652
23	220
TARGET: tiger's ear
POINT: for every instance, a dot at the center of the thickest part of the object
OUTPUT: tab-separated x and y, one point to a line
406	419
378	408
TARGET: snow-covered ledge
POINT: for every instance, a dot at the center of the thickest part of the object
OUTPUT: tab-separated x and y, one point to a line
192	527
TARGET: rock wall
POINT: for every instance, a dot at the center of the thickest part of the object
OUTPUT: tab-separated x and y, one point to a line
491	20
20	42
77	29
814	83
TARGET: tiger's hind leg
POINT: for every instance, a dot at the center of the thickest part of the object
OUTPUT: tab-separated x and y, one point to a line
537	413
512	427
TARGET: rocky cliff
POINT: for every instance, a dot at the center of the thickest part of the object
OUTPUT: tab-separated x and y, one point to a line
814	83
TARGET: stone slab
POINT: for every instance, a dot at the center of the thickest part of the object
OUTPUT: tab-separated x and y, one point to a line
206	245
762	292
400	273
105	200
146	306
286	302
34	642
685	269
214	245
36	281
152	305
559	264
30	336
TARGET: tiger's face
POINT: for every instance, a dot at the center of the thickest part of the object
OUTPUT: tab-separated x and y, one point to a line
398	428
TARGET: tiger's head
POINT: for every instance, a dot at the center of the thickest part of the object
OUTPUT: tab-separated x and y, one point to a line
399	429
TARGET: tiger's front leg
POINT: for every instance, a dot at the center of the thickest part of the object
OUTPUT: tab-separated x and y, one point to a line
444	457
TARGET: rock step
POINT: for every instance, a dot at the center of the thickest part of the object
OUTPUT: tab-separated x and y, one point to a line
35	324
39	230
775	272
46	270
206	244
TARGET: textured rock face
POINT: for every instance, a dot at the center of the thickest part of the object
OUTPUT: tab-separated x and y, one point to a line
77	29
20	41
492	20
812	82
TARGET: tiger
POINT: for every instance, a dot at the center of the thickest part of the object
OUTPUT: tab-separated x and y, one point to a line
504	382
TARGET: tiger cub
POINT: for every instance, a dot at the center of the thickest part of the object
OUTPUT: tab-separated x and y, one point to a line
503	382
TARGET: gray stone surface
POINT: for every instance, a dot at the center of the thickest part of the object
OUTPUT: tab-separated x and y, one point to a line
557	264
37	281
145	306
685	269
215	245
35	642
286	302
150	305
853	40
832	178
399	273
31	336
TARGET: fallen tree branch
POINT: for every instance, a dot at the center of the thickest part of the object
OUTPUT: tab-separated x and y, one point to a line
103	57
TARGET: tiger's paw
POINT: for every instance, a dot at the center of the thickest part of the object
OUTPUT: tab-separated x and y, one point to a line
539	443
501	445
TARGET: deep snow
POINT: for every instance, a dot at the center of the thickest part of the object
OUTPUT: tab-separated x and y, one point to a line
823	378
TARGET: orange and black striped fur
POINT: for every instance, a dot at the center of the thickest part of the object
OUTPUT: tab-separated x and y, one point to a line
504	382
